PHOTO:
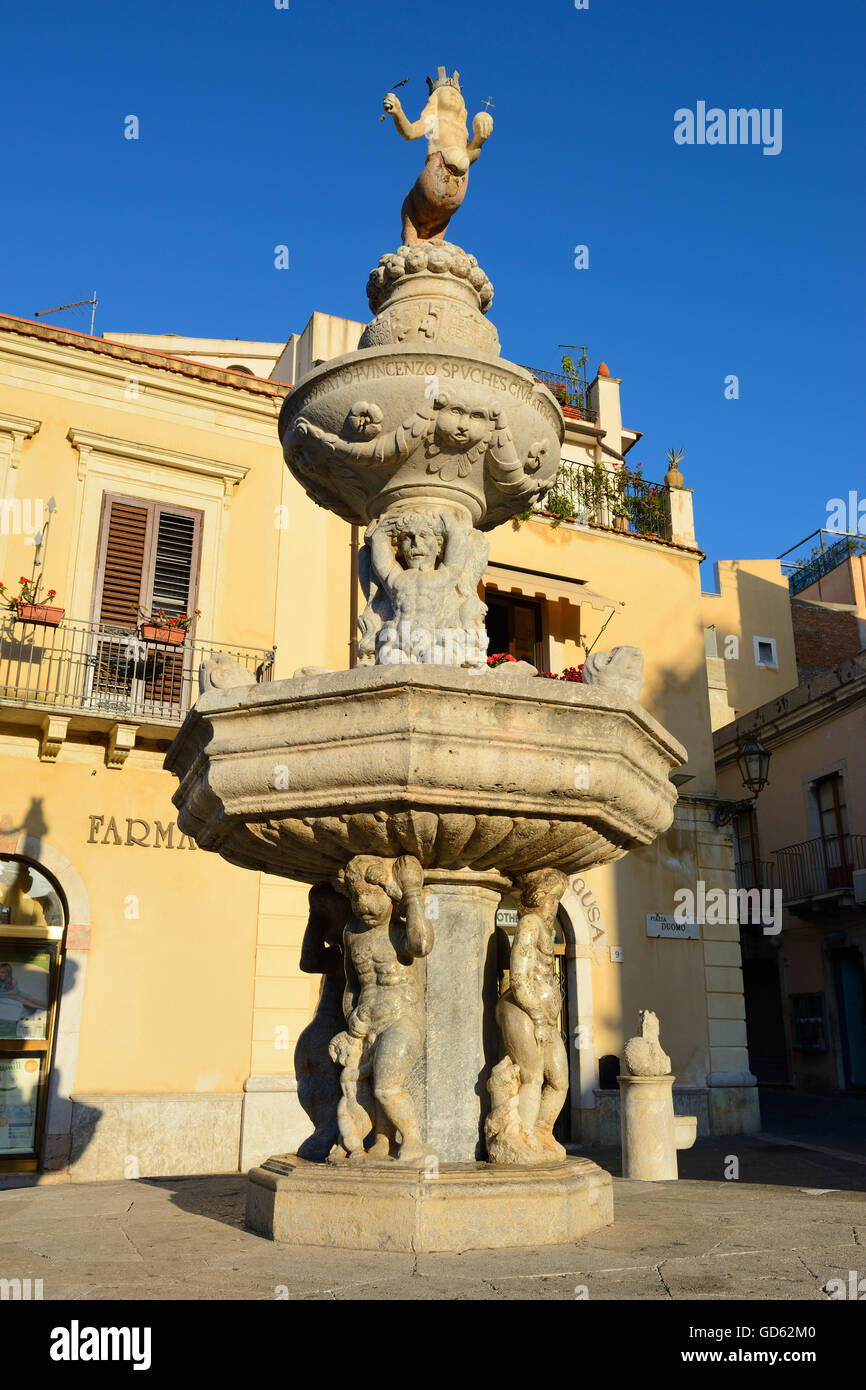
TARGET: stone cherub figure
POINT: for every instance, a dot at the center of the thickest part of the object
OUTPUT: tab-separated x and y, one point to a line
383	1005
529	1086
420	571
318	1076
644	1055
441	185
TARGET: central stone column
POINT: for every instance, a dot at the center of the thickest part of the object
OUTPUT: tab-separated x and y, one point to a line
461	1045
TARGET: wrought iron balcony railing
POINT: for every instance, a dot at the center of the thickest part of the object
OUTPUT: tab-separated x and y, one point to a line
755	873
617	497
817	868
571	393
106	670
754	876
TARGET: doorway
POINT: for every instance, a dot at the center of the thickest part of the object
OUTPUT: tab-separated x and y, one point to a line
32	922
851	1003
765	1020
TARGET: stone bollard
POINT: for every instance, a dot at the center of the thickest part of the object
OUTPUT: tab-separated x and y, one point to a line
651	1134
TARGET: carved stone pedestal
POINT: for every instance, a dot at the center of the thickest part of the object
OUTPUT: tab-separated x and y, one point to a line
461	1046
391	1206
649	1147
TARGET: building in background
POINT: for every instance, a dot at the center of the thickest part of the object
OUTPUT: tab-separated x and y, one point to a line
805	835
153	992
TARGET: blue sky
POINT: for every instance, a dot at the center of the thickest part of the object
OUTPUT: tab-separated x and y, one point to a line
260	127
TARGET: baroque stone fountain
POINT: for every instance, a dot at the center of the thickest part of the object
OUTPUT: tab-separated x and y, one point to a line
415	789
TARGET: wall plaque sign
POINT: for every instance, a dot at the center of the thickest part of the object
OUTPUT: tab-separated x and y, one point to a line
666	924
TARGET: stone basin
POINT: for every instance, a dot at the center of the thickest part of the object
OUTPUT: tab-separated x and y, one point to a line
488	772
382	426
408	383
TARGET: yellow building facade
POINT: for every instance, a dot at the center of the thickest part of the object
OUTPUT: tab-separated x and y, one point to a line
140	474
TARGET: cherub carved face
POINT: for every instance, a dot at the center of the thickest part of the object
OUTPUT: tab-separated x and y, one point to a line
419	547
459	426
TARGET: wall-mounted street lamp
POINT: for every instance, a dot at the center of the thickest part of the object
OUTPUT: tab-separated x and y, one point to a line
753	760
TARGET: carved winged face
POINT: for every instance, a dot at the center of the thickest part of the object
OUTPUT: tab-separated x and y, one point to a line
459	426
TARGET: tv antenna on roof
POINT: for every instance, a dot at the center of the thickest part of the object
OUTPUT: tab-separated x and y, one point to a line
78	303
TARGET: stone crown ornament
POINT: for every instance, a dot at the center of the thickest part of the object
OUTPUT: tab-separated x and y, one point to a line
443	81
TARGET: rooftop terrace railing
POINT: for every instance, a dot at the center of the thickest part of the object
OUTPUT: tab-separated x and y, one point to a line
573	393
107	670
806	569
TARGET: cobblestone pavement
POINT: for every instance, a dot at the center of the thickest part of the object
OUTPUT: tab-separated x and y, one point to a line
793	1219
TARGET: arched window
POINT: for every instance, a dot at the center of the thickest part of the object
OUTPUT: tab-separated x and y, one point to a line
29	896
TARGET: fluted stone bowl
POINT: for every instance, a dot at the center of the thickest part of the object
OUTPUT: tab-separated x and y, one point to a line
465	771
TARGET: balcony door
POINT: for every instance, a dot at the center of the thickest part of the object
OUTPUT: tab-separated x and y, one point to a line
832	812
147	559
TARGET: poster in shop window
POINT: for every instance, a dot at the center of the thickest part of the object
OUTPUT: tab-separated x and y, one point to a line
19	1094
25	977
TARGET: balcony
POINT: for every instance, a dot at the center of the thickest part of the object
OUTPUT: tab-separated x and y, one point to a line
106	672
755	873
752	875
573	395
614	497
819	874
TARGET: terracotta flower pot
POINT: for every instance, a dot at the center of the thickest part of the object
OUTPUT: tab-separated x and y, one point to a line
171	636
620	523
40	614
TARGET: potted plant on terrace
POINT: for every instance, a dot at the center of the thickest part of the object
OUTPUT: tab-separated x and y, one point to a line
157	627
26	606
575	376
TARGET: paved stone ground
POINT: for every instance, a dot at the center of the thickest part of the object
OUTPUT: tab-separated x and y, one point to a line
775	1233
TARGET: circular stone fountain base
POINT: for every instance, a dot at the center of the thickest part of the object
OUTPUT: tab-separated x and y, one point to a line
396	1206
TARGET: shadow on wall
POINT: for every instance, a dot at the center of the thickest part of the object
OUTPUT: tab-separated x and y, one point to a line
34	825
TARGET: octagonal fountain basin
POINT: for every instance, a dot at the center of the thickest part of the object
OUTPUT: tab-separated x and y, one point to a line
463	770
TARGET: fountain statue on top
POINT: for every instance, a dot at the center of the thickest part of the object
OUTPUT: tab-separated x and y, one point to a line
441	185
421	785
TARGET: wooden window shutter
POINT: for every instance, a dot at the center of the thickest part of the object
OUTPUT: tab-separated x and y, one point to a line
173	568
147	559
122	561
